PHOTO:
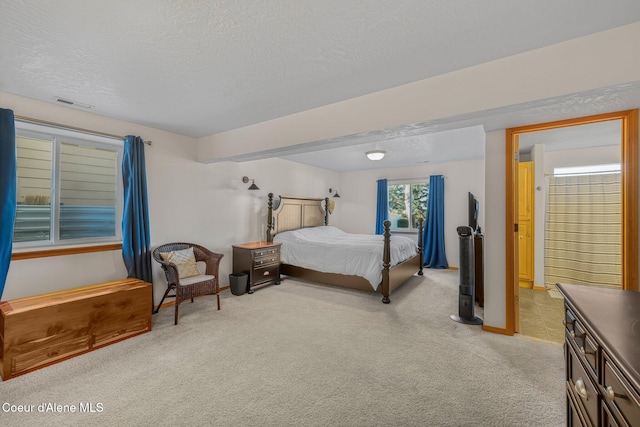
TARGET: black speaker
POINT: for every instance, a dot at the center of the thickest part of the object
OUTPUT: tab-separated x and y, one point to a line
466	277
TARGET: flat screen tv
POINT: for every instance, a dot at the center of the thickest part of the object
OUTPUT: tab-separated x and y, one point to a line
474	208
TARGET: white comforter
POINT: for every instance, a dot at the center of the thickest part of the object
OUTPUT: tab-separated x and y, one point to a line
331	250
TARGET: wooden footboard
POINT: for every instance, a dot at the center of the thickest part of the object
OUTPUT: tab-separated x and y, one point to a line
398	274
394	277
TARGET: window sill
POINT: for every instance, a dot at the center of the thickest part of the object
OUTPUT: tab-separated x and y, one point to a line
43	253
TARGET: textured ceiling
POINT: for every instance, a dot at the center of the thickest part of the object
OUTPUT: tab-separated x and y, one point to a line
198	67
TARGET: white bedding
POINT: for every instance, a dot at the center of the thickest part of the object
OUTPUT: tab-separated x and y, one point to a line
331	250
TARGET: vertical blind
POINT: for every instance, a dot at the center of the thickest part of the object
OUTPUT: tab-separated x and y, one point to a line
583	230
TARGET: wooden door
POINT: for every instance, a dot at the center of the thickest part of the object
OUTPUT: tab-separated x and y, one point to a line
525	223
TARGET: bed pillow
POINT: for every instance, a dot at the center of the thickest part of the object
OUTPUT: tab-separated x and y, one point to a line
184	260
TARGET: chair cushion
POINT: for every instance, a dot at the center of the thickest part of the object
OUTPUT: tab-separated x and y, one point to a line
196	279
184	260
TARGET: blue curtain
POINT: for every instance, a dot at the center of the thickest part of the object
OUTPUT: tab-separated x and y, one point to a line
7	190
434	253
382	208
136	237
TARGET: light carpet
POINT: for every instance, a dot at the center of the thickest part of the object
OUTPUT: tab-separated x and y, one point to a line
300	354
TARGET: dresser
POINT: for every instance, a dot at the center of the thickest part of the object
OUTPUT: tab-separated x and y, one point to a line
602	354
44	329
259	260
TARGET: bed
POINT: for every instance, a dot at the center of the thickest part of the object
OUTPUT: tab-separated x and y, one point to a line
314	251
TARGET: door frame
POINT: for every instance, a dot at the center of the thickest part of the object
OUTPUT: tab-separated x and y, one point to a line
629	160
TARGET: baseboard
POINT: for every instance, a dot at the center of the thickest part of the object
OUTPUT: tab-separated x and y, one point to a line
539	288
494	330
526	284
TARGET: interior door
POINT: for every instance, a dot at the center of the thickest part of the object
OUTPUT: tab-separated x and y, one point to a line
512	276
525	223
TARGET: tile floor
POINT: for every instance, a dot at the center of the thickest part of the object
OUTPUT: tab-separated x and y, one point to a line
541	315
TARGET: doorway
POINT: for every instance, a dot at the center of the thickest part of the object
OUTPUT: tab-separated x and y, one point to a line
629	156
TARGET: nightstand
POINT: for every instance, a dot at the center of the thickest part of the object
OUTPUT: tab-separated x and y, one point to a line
260	260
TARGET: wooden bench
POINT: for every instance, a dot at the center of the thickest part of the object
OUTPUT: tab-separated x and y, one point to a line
44	329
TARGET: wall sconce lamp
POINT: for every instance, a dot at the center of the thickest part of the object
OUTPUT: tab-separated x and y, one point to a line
336	193
375	155
253	185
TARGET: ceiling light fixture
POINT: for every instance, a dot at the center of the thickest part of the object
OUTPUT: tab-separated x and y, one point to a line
375	155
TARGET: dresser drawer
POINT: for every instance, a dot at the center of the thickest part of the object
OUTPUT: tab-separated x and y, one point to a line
619	395
575	416
582	386
608	420
583	343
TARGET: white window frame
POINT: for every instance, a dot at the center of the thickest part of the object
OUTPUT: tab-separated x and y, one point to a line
411	181
57	136
600	169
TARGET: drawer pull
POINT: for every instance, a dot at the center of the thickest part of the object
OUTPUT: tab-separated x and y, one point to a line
572	334
583	351
564	322
266	273
581	389
122	331
53	353
609	394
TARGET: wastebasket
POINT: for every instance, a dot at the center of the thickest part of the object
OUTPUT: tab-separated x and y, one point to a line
238	283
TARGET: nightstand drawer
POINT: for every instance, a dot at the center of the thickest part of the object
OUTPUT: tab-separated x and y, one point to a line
266	259
269	252
266	274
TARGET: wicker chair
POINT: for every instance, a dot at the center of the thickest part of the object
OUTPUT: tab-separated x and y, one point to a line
205	284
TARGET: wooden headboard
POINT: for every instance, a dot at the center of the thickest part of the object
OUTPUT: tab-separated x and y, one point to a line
291	213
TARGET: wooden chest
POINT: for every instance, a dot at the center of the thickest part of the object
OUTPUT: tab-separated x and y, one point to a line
44	329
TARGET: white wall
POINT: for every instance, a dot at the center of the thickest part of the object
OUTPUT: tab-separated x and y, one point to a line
188	201
494	240
358	189
582	157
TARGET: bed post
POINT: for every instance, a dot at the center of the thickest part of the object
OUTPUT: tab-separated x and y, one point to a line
270	218
420	246
386	262
326	211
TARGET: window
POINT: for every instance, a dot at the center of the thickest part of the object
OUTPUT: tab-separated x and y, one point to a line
69	188
588	170
407	204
